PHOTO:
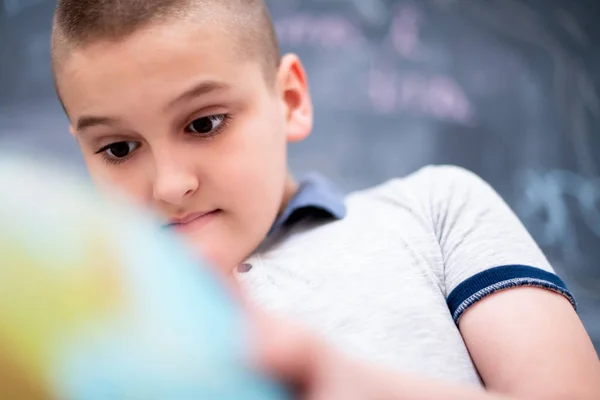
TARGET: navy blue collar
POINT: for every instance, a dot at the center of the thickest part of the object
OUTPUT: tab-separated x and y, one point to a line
315	196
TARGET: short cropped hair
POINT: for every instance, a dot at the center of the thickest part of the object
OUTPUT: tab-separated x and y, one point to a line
78	23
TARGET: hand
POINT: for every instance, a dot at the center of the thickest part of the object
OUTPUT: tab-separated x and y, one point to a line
316	371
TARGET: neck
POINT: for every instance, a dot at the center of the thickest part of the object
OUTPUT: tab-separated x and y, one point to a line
290	189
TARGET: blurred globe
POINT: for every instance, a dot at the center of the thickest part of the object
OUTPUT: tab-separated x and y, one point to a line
97	302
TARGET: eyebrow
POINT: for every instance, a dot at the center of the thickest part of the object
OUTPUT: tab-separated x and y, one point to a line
85	122
198	90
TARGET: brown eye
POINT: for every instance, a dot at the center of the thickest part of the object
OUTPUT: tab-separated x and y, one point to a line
120	150
207	125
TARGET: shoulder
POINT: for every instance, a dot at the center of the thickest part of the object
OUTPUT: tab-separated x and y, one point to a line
444	180
431	186
432	178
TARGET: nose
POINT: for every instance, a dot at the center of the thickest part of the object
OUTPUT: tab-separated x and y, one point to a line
174	182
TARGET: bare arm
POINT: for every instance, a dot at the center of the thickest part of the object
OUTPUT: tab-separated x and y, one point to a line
530	343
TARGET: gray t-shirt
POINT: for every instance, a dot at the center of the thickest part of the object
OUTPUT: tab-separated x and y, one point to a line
385	273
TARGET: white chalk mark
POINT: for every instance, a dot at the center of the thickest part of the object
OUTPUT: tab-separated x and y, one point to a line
436	96
405	32
325	31
548	194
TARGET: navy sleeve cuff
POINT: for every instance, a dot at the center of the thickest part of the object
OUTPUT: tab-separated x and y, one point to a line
491	280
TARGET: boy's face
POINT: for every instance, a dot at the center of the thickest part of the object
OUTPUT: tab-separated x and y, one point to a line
176	119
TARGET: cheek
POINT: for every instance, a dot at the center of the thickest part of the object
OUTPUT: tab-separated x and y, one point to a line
118	179
255	172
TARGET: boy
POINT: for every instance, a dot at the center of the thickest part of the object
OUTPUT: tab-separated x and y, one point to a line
187	107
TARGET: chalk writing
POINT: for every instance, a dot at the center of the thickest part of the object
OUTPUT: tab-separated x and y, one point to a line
405	32
329	30
435	96
545	205
381	89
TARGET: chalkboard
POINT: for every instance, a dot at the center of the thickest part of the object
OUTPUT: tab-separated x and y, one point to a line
506	88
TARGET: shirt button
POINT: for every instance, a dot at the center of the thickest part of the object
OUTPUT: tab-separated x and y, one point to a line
244	268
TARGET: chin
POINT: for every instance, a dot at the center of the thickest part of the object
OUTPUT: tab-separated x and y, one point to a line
208	253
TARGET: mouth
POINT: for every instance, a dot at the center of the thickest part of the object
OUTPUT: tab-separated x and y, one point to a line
192	221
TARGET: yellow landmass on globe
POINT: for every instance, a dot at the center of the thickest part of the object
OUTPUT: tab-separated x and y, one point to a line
44	302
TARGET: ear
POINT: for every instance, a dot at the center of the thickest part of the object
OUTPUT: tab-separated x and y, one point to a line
293	88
